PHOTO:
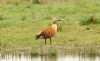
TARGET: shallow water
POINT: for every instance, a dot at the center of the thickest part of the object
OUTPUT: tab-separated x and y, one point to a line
47	58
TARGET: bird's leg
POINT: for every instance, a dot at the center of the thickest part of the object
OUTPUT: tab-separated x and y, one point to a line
50	41
45	40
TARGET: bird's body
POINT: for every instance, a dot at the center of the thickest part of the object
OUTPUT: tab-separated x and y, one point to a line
48	32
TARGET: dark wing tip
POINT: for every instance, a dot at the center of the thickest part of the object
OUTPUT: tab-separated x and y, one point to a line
37	37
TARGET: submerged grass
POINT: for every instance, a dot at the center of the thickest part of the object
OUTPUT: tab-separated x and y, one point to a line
20	23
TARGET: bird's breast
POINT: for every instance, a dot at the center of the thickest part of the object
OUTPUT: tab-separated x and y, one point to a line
54	26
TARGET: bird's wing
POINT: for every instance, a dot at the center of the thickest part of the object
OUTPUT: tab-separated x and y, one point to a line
49	31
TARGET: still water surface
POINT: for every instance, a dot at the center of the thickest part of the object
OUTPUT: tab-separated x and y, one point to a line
47	58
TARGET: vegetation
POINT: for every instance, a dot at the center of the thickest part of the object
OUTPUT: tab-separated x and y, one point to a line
19	24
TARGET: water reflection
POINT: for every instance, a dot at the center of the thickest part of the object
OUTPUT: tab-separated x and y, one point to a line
78	58
47	58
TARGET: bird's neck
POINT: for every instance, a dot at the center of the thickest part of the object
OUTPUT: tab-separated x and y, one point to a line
54	26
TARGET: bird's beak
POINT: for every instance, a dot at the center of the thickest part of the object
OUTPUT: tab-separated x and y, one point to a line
59	20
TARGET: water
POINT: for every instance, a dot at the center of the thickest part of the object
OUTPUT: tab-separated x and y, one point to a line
47	58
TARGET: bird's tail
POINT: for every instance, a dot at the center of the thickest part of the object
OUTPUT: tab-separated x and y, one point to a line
38	36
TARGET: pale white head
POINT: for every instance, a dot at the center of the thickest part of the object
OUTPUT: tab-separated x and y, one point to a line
55	20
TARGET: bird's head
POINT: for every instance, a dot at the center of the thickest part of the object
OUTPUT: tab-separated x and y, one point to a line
56	19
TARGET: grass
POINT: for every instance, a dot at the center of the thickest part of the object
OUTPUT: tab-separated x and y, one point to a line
20	23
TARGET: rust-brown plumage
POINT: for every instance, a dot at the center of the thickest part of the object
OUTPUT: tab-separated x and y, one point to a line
49	32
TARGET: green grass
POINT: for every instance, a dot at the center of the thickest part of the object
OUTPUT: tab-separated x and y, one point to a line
19	24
